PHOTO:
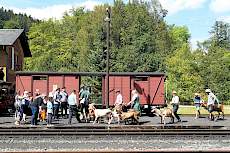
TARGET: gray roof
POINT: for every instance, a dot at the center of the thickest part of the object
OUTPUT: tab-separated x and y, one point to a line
9	36
26	73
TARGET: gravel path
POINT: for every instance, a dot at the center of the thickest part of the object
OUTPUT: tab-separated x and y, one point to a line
115	143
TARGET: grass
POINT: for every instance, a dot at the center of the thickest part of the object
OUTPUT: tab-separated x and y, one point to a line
190	110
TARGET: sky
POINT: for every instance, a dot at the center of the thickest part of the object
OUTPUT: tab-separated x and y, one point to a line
198	15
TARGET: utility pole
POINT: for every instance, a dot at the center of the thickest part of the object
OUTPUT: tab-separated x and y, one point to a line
108	20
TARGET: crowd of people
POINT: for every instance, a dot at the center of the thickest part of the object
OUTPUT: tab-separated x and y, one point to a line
48	108
51	107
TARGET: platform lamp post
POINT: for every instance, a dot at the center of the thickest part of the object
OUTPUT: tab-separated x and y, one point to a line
108	20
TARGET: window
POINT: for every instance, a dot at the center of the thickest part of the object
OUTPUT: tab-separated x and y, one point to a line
39	77
141	78
12	58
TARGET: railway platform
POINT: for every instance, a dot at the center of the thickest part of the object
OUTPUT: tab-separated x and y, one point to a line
188	121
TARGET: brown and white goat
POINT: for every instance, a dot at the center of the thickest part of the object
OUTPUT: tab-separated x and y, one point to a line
163	114
219	108
99	113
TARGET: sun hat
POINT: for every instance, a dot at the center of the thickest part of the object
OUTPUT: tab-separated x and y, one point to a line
174	92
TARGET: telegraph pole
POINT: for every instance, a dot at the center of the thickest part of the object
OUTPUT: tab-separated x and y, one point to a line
108	20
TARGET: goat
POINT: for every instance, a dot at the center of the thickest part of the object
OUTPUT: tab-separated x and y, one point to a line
163	114
98	113
132	114
219	108
115	114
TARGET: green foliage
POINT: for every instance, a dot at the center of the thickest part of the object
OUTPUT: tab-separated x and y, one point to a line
182	73
78	41
141	41
10	20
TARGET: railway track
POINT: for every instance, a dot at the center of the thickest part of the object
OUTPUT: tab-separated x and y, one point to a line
81	131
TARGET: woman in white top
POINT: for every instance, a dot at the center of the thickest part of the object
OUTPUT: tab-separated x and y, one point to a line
135	101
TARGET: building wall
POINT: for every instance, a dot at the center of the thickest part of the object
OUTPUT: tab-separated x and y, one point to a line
18	57
3	57
6	60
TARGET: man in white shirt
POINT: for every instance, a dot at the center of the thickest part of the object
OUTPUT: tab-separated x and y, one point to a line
56	103
212	100
73	104
175	103
119	101
64	97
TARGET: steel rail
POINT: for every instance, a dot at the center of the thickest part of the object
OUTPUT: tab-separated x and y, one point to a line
50	131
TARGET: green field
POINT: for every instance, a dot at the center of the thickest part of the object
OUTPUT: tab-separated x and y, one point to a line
189	110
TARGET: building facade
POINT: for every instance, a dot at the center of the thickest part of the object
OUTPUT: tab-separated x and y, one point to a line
14	48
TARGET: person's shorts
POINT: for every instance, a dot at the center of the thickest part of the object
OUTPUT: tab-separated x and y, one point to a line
197	107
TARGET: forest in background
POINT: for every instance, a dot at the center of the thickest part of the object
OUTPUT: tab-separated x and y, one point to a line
141	41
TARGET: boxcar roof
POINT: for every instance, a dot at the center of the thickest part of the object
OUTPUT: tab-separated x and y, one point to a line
9	36
27	73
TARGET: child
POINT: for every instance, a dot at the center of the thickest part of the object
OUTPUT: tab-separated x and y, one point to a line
44	109
49	111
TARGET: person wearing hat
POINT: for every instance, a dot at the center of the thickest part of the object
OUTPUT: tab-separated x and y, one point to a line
197	102
175	104
212	100
119	100
1	74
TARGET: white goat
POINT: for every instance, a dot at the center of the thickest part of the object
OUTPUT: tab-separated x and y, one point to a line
99	113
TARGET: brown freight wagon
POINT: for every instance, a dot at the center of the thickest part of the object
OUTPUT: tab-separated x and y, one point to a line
150	85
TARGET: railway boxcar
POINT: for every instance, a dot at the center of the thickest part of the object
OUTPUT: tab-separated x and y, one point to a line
150	85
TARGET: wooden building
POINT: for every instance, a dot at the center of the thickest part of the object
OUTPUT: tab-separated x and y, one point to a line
13	48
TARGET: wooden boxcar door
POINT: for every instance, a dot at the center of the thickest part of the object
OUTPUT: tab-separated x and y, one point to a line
157	95
141	84
40	83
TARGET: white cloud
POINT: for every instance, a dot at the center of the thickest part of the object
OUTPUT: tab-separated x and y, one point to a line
54	11
174	6
194	41
224	18
220	6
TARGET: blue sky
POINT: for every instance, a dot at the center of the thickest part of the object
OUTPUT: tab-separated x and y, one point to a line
198	15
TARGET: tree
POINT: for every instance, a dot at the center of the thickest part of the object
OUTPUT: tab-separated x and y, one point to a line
183	73
221	34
